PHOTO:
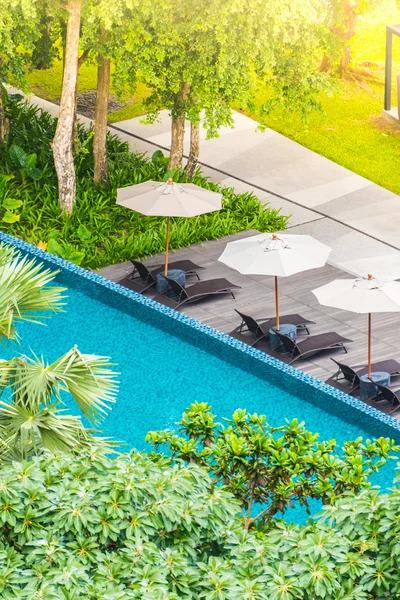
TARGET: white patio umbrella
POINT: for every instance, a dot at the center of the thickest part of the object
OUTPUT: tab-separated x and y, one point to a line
275	254
362	296
168	199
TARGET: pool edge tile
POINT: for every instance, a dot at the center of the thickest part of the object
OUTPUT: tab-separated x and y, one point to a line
205	329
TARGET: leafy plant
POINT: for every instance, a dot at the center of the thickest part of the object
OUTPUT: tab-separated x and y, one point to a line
31	417
92	527
25	293
66	251
7	203
24	162
100	232
269	469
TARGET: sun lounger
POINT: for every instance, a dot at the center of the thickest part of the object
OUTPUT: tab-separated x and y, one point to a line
391	396
142	278
198	291
259	328
313	344
350	376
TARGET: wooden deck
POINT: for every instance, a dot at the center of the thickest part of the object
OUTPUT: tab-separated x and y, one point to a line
256	297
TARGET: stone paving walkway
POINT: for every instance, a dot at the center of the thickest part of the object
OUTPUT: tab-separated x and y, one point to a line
357	218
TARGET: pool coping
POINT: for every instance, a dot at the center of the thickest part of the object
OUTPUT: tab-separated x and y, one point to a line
203	328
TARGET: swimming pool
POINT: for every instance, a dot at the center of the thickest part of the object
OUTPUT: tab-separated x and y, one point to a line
167	363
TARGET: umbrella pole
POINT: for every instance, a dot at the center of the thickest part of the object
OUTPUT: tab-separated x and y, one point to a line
276	304
166	248
369	343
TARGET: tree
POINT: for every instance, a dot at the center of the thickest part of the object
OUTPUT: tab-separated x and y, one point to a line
31	418
269	469
18	33
104	35
45	50
63	139
200	58
100	120
342	20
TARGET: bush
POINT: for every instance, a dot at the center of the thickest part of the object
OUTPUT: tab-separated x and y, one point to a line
99	232
98	528
270	469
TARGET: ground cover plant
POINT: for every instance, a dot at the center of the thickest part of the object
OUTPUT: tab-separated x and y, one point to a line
99	232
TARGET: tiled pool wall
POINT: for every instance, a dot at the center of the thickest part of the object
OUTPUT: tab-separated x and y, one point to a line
207	338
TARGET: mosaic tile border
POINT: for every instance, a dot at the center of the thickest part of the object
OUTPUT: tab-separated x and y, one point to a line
205	329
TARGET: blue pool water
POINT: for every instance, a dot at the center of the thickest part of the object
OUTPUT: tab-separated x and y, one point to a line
161	374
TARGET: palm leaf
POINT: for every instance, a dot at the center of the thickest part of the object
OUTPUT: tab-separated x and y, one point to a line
25	292
27	431
88	378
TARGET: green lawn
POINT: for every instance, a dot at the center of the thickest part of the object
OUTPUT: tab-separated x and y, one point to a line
350	132
47	85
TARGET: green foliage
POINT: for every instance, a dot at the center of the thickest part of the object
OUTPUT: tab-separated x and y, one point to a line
18	34
65	251
98	528
45	50
271	468
25	293
214	47
31	417
99	232
25	163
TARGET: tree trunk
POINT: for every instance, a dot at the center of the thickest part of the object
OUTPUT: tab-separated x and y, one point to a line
194	150
177	137
344	60
100	121
62	143
81	60
2	117
63	30
344	30
178	128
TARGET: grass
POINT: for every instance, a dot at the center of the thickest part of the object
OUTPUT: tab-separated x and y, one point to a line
350	132
47	84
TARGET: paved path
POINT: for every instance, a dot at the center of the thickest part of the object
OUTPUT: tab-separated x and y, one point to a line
357	218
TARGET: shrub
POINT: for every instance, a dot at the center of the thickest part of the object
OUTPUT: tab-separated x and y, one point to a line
270	469
98	528
99	232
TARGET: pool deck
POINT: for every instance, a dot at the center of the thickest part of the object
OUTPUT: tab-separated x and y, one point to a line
257	299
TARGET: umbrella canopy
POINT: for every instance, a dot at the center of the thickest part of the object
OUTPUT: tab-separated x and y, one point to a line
274	254
169	199
363	296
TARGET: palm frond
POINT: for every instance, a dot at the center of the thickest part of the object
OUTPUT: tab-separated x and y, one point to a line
28	431
25	291
88	378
